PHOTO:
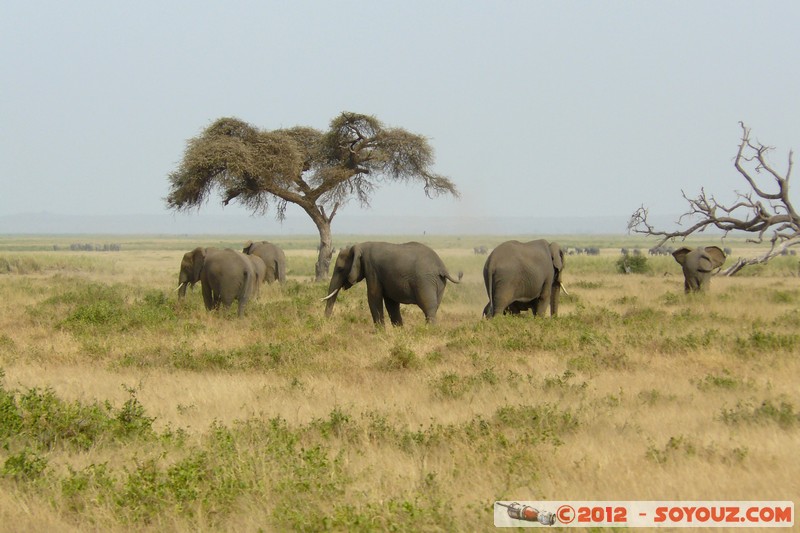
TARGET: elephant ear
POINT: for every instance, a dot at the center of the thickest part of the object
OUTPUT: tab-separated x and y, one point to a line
712	258
247	247
680	255
356	268
558	256
198	260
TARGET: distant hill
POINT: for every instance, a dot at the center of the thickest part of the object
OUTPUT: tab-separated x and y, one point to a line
168	224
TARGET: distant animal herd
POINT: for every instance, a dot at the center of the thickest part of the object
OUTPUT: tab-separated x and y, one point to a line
90	247
517	275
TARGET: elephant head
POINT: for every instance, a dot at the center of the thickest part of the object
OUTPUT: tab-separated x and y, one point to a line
191	268
347	271
698	264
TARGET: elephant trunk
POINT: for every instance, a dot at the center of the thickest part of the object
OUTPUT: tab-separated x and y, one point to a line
555	294
555	290
182	290
330	300
337	283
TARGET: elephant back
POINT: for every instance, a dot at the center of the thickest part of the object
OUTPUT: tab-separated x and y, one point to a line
429	256
520	256
273	258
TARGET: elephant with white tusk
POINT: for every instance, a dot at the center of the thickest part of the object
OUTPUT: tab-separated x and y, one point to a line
409	273
523	275
192	268
698	265
225	275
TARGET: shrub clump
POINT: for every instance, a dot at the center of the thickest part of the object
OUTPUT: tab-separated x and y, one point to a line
401	357
632	264
40	419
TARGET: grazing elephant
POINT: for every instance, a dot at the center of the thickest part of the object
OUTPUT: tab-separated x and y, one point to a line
523	275
273	257
409	273
260	269
225	275
698	264
192	268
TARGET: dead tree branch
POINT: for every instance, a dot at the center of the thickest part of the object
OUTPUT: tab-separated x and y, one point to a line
765	210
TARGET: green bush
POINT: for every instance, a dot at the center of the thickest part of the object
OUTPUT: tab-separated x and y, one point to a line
632	264
40	419
401	357
26	465
783	414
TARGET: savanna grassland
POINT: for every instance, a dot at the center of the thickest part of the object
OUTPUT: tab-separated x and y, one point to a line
124	409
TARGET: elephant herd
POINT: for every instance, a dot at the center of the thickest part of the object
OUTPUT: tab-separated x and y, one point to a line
517	275
227	275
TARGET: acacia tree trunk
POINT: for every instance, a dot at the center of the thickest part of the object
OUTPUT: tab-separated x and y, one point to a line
324	256
323	224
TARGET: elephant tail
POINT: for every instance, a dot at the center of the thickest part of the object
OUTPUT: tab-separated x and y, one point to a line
448	277
488	312
249	285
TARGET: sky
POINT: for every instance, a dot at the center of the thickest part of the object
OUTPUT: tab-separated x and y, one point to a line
545	109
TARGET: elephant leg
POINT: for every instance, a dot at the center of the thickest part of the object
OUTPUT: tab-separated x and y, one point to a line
223	298
542	303
691	281
393	308
501	303
430	315
691	285
428	300
207	297
375	300
276	275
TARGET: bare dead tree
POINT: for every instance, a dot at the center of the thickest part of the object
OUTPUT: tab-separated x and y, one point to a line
765	210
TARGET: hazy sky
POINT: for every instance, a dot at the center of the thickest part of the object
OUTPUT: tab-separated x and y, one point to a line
533	108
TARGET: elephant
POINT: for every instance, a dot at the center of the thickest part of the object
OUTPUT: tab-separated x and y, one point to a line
260	269
225	275
523	275
698	264
192	267
409	273
273	257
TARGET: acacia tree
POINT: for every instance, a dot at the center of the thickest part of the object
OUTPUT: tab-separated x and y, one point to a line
765	210
318	171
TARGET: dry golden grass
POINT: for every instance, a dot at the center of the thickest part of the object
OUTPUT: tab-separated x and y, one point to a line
652	394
